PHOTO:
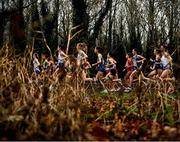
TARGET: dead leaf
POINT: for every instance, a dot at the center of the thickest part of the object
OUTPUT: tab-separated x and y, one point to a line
101	110
116	116
111	106
119	127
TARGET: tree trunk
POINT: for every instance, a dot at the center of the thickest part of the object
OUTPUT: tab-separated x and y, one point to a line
17	28
80	18
2	24
99	22
171	27
110	28
151	20
56	13
151	30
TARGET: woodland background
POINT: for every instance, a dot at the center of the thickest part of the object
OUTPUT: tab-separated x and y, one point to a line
39	108
116	25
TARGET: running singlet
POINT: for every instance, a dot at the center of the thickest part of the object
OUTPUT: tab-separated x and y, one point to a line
112	66
80	55
36	66
129	64
158	64
101	66
45	64
165	62
135	59
60	60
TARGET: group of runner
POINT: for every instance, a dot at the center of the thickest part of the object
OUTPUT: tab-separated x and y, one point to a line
106	69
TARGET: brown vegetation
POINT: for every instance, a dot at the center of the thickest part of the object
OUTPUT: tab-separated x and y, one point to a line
41	109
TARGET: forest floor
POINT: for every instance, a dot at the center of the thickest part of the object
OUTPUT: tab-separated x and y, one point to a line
55	111
116	116
120	117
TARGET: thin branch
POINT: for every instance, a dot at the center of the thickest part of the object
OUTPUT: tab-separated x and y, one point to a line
71	37
76	34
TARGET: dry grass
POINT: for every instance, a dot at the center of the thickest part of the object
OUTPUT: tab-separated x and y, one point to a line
41	108
36	107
